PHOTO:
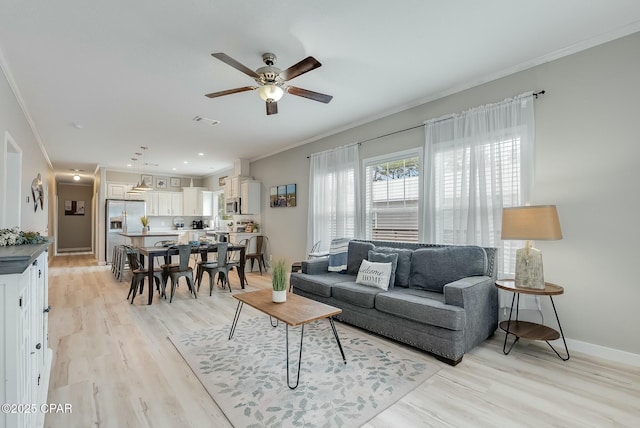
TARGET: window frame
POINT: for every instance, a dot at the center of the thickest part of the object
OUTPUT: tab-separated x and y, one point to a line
392	157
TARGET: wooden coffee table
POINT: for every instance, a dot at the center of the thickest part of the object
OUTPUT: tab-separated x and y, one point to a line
297	310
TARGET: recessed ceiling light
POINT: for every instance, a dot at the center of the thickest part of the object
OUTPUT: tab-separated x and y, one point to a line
77	125
200	154
76	177
186	162
174	169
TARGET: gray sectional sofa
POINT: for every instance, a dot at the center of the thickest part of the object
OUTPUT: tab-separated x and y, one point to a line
443	299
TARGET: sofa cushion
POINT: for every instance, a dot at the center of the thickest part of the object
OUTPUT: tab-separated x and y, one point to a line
338	254
355	294
319	284
403	269
358	251
374	274
421	308
373	256
432	268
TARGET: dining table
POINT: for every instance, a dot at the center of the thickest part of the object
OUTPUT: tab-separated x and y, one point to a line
204	249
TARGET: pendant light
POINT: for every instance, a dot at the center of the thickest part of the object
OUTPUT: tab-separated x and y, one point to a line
142	186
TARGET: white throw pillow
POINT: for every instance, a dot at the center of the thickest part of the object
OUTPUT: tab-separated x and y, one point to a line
374	274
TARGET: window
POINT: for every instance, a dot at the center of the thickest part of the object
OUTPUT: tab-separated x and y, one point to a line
497	181
392	197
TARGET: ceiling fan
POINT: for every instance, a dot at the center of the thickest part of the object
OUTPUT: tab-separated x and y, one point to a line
272	82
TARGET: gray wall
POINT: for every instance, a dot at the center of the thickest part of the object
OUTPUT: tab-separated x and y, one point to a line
74	231
587	151
12	120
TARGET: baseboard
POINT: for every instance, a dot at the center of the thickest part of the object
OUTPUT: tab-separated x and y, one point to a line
604	352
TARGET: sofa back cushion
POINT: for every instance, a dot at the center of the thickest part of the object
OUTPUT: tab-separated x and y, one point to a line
358	251
403	269
432	268
386	258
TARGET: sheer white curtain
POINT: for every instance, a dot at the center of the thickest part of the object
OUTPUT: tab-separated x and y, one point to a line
478	162
333	195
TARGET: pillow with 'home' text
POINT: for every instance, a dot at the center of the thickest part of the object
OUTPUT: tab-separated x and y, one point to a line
374	274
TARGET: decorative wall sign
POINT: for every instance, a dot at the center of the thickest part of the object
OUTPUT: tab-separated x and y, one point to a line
175	182
222	181
73	207
148	180
282	196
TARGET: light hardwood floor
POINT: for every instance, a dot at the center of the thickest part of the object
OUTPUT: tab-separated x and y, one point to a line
114	364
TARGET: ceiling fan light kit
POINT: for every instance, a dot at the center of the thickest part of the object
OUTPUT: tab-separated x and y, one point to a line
272	81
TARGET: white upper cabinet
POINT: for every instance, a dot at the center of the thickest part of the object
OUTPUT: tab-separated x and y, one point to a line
119	191
170	203
250	197
198	202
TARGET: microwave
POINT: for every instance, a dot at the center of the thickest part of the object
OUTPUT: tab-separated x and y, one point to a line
232	206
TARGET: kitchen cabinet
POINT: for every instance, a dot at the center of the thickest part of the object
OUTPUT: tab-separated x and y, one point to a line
25	357
170	204
151	199
232	186
198	202
250	197
119	191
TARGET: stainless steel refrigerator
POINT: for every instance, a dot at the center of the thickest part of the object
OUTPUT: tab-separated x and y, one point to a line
121	216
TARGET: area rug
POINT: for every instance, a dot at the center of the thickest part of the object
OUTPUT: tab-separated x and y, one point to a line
247	378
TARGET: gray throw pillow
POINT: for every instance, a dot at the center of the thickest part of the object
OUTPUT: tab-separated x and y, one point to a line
358	251
386	258
403	269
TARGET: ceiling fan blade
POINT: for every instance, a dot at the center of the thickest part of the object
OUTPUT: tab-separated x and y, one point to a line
231	91
316	96
272	108
235	64
307	64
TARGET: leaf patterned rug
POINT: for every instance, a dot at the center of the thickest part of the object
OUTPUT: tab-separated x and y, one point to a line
247	378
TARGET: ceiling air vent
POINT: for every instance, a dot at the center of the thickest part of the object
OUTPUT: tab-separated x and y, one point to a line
211	122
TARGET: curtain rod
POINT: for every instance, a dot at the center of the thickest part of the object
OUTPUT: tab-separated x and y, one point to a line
534	94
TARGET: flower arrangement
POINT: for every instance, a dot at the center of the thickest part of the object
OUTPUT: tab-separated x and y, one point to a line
17	237
144	220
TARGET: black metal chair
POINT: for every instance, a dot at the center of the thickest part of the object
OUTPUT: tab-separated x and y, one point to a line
182	269
139	273
220	267
259	253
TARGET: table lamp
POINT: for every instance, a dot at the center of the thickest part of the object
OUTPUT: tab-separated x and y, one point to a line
538	222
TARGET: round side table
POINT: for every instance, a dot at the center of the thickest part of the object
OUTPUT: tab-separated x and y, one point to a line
526	329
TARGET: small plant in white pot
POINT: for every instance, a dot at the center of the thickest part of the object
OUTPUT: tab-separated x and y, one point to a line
279	280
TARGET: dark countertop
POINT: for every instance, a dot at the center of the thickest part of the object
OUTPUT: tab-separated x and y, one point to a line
16	258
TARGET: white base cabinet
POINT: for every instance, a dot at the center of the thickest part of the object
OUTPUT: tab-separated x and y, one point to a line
25	357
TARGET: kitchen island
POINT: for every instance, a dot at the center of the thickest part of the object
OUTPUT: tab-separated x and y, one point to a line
149	239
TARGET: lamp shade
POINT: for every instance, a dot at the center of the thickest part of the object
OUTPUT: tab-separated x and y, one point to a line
270	92
537	222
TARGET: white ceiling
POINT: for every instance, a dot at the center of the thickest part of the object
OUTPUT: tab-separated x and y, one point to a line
99	79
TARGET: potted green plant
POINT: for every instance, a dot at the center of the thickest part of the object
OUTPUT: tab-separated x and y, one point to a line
279	280
145	223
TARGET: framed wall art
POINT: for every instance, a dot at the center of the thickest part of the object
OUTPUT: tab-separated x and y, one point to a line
175	182
161	182
282	196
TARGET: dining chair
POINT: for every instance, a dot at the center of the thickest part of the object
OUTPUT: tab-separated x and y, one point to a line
182	269
220	267
258	255
139	273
